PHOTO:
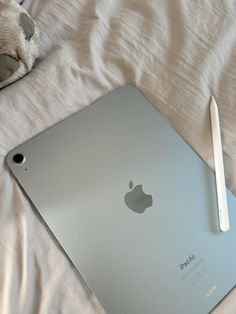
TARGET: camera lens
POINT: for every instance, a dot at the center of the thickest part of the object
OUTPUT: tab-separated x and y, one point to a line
19	159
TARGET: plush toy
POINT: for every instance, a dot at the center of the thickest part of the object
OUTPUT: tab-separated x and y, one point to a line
19	38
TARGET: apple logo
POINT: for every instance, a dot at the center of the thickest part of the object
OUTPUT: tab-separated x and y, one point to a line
136	199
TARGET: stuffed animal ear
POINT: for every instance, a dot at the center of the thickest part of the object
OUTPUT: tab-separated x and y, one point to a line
27	25
19	40
8	66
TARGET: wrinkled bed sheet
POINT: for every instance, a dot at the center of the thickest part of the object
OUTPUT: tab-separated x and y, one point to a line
178	53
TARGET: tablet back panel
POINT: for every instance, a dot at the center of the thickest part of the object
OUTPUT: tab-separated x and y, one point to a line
133	206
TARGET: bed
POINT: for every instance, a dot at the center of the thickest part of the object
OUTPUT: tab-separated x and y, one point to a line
178	53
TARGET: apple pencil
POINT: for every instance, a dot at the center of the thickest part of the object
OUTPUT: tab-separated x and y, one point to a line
219	168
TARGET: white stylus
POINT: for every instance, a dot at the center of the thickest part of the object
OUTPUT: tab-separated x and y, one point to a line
219	168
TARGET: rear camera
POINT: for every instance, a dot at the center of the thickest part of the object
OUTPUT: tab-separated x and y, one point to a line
18	159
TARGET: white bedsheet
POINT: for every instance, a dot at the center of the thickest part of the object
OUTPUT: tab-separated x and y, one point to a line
177	52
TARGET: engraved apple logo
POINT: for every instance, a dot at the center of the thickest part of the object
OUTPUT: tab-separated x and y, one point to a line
136	199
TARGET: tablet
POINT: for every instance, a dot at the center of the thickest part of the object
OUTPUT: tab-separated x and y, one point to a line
133	206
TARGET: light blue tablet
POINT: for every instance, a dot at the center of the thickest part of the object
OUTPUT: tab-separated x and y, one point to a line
133	206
